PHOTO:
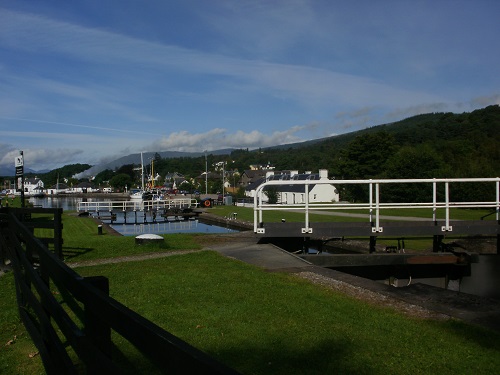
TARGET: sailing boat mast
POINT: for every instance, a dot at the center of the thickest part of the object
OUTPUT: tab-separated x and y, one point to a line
152	175
142	172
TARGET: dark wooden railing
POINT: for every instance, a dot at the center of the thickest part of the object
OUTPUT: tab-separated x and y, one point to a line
75	325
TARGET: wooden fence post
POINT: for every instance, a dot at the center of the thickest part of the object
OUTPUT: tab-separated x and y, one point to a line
98	331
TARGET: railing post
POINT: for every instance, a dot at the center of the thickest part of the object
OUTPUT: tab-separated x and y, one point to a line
498	199
371	200
260	206
307	229
377	203
434	201
498	213
447	227
377	227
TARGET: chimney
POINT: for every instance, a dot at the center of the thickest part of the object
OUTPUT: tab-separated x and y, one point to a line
323	174
269	174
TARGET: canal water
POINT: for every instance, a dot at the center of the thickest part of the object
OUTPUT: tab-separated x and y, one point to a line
161	227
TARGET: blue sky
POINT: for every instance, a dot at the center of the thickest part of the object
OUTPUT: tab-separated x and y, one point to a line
90	81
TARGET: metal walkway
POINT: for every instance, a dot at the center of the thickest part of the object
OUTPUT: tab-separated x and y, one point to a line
137	205
376	223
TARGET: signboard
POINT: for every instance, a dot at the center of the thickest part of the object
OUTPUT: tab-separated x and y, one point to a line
19	161
19	164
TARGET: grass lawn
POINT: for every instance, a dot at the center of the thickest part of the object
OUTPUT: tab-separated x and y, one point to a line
246	214
271	323
254	321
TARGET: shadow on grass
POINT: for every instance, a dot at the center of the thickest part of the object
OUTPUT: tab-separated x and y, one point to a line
332	356
486	338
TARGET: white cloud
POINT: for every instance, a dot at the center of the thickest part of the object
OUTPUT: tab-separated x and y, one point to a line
220	139
39	158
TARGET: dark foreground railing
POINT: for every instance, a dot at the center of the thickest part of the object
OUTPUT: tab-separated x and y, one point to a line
74	323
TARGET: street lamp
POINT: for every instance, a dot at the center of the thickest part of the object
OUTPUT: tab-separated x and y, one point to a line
223	179
206	174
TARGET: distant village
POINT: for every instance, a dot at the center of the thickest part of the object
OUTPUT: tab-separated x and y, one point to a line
176	183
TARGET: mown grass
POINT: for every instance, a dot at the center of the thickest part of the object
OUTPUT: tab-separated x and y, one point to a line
254	321
81	241
269	323
246	214
18	354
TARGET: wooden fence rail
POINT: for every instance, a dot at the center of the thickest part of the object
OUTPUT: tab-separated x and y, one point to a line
62	309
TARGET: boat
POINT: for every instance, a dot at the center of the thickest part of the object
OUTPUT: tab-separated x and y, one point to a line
139	194
136	194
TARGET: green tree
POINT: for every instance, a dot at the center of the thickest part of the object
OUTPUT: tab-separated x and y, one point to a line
121	180
421	161
272	194
363	158
102	177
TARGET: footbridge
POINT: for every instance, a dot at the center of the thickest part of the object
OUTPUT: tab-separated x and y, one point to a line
179	208
436	218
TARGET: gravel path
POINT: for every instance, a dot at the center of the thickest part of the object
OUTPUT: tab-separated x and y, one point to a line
130	258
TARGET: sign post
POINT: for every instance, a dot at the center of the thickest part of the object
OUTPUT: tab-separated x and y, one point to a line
19	164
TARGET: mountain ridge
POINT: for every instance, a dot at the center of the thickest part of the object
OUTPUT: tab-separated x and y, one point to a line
410	130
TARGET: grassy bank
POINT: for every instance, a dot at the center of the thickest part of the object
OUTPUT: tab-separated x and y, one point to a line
420	244
246	214
255	321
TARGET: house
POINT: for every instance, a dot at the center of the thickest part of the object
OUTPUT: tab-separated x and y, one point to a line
84	187
58	188
295	194
33	186
250	176
173	181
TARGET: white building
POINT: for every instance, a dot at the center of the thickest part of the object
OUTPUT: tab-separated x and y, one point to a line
33	186
58	188
84	187
295	194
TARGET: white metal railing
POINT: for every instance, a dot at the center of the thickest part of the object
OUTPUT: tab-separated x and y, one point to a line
139	205
374	205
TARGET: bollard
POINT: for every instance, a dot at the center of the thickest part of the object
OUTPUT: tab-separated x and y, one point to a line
99	229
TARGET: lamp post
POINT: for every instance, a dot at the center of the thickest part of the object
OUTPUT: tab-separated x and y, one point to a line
206	174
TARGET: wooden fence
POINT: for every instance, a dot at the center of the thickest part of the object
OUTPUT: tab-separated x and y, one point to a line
73	322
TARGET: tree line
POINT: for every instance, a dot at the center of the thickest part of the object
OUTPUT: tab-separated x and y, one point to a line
434	145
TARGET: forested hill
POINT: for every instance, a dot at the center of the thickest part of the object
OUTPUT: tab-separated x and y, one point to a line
423	146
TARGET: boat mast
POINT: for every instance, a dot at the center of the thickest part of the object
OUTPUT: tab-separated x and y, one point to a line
152	175
142	172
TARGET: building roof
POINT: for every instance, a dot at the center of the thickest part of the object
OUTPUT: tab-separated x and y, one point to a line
59	186
85	184
285	176
32	180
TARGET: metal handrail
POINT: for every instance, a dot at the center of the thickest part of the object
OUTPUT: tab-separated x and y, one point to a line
373	205
140	205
